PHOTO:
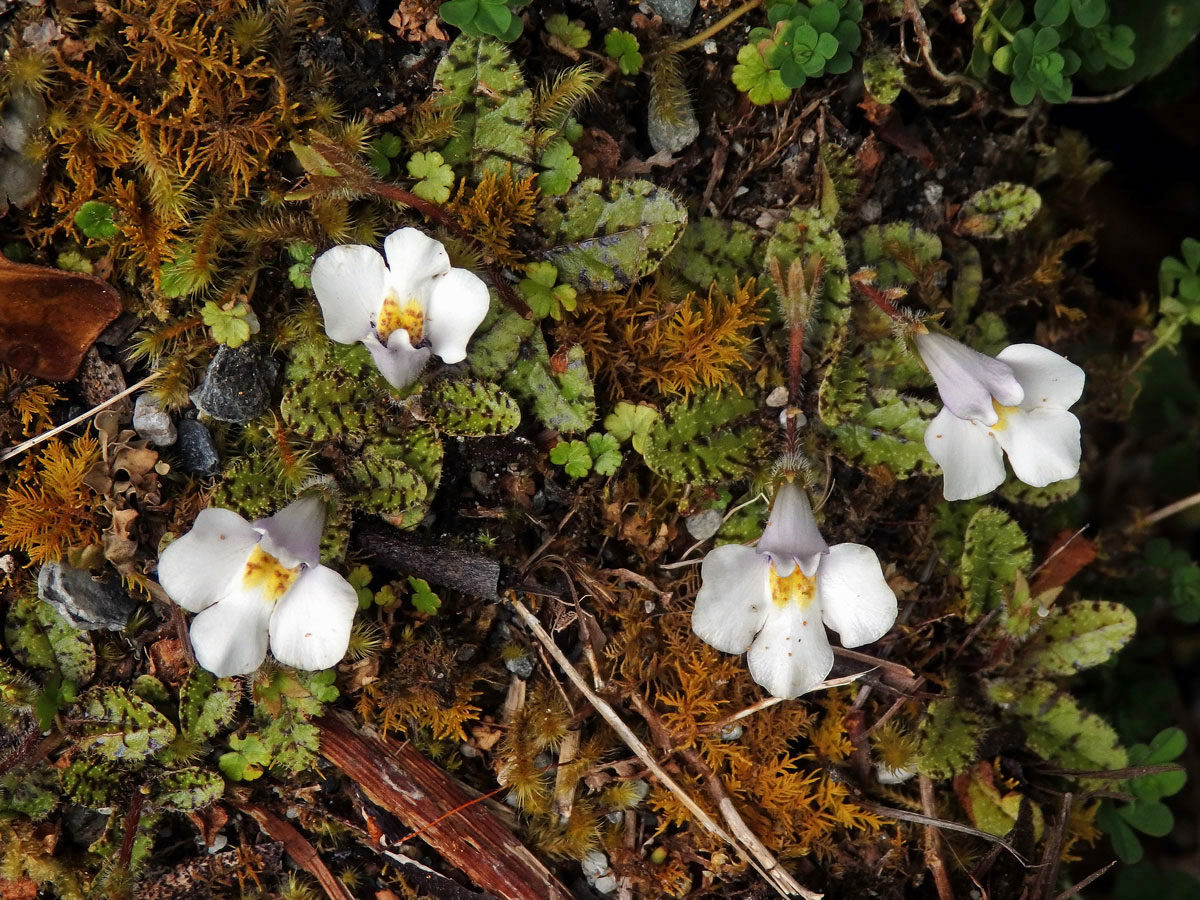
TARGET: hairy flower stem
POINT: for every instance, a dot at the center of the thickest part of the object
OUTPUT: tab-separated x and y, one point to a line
795	362
880	298
722	23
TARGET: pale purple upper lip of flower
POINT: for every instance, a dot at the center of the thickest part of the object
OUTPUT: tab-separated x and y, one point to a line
791	537
967	380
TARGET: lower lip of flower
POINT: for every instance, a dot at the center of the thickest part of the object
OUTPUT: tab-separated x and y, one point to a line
394	315
1002	414
266	573
796	588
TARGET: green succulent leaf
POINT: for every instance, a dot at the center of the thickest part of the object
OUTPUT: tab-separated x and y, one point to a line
708	438
950	733
207	704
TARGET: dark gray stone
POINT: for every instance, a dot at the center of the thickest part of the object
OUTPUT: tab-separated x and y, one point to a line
87	603
237	385
195	450
676	13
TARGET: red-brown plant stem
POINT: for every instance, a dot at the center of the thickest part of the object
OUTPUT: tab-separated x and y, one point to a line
880	299
438	214
795	363
132	817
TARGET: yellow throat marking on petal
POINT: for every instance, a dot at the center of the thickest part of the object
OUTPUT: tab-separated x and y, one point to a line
796	588
264	572
1002	414
409	315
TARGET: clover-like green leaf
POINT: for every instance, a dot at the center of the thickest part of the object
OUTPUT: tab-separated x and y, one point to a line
573	456
424	600
561	167
624	48
631	422
761	82
435	176
230	326
605	451
246	760
95	219
543	296
570	31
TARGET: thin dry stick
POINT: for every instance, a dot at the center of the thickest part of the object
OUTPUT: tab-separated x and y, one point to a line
1080	885
82	417
780	880
717	792
1167	511
933	855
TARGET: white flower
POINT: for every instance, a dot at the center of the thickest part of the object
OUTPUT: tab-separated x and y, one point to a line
254	582
774	600
404	310
1016	404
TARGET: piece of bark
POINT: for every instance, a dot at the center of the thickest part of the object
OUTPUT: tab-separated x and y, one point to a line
297	846
399	779
459	570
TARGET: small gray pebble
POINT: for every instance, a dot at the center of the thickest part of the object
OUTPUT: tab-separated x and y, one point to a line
152	422
522	666
676	13
704	525
87	603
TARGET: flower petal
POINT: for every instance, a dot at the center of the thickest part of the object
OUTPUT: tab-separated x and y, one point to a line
399	362
1047	378
310	628
230	637
196	570
413	257
733	599
293	535
1042	445
966	379
457	305
791	654
971	460
350	282
856	601
791	535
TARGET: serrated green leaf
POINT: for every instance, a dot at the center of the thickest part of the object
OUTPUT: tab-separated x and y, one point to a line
623	47
560	168
1079	636
1057	728
117	724
994	550
716	251
493	107
605	236
950	733
187	790
468	408
207	703
999	210
708	438
41	639
605	452
563	400
91	782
